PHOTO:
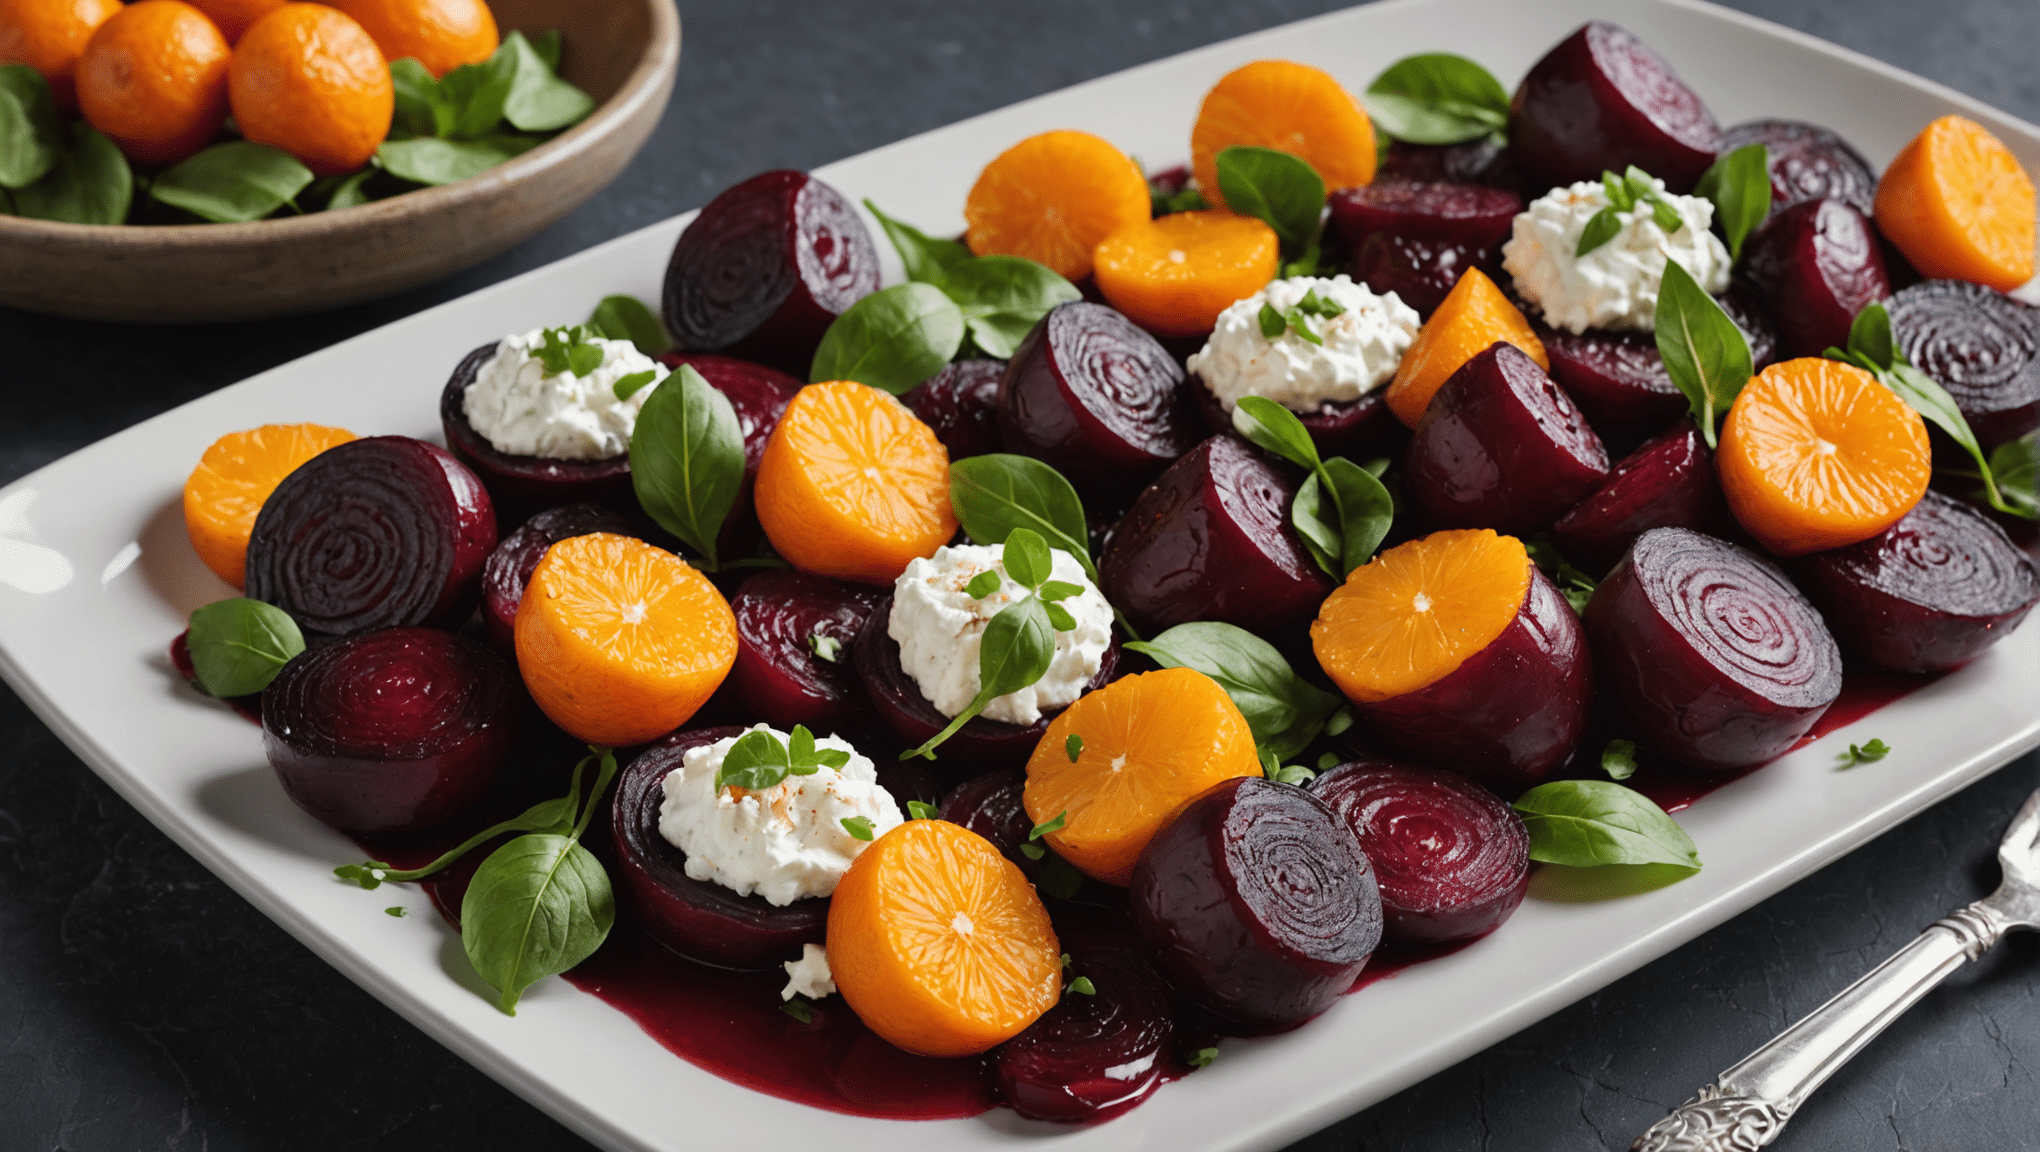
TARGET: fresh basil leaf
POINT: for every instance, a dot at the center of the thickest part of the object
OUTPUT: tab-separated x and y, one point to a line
1438	98
90	183
628	386
238	646
350	190
1073	747
1668	218
1059	616
1003	297
859	827
1871	337
537	99
232	183
825	647
2015	469
1739	185
477	93
629	318
547	45
996	493
1586	823
892	339
1366	510
1082	986
537	906
1053	824
1602	227
1273	323
1618	759
918	810
1621	196
1315	516
1576	586
1275	428
1868	753
757	761
926	258
1166	203
421	109
31	137
800	745
430	160
1300	324
1705	354
983	584
832	758
1279	189
1015	651
1057	877
1295	774
687	459
584	359
1026	557
1284	711
1054	590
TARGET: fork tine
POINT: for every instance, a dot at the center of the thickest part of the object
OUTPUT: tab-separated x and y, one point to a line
2020	849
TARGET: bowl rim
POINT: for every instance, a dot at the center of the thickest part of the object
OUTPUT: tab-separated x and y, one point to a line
661	58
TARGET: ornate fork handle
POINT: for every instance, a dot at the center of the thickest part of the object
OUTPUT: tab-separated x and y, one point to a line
1747	1106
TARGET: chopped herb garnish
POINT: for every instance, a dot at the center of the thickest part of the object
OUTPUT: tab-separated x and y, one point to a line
758	760
1047	826
567	350
1203	1057
916	810
825	647
1082	986
398	911
1073	747
983	584
1864	753
1618	759
799	1009
629	385
1065	960
1033	851
858	826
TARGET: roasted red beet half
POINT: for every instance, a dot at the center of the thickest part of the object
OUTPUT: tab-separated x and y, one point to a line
980	745
1930	593
1211	540
1667	483
766	267
960	403
1601	101
1501	446
1808	162
523	484
1093	1056
390	731
991	805
1098	398
509	567
1360	429
1707	653
1451	857
1475	162
785	621
1416	240
1983	347
1258	904
700	919
1814	266
383	532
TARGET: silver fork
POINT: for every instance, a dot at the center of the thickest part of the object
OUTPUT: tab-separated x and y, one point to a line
1747	1106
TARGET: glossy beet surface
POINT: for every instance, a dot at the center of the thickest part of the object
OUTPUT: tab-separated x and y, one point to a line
1930	593
1258	904
1361	429
390	731
1601	101
1814	266
1982	346
1807	162
699	919
1501	446
524	484
991	805
1098	398
1707	653
1475	162
1667	483
785	620
1092	1056
509	567
1451	857
1211	540
382	532
758	393
1510	713
1416	240
765	268
960	403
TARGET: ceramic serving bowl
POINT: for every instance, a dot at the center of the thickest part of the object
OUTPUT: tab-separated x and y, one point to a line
622	52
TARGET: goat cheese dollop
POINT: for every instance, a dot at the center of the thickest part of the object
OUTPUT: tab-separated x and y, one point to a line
785	842
809	976
521	411
1616	284
940	625
1362	346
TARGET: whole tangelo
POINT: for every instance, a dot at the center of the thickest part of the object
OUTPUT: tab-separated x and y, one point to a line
49	35
440	34
154	79
307	79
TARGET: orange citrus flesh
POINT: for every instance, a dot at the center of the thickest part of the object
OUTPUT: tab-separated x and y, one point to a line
1052	198
308	80
939	943
440	34
1472	316
1291	108
1956	202
852	485
1175	274
154	79
1412	615
1151	743
620	642
1817	454
234	477
234	17
49	36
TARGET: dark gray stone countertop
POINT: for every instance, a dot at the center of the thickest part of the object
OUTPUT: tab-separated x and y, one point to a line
144	1005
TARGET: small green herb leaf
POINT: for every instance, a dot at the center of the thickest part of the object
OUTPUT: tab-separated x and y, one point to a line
477	93
1033	851
1275	428
1586	823
2015	469
1284	711
859	827
238	646
1618	759
1002	298
629	318
1366	510
892	339
918	810
1026	557
1202	1058
997	493
627	386
1163	202
90	183
537	906
1056	877
758	760
31	137
1015	650
1739	185
351	190
1054	824
1705	354
925	257
1316	520
1082	986
397	911
1054	590
687	459
825	647
1275	187
432	160
1059	617
798	1007
1602	227
983	584
1576	586
1295	774
1273	323
1327	761
1073	747
1438	98
1868	753
538	100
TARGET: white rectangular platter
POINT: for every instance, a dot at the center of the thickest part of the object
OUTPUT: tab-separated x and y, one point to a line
96	576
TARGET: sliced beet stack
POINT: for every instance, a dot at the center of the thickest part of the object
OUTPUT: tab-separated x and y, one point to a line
1807	162
1814	266
796	634
1416	240
1983	347
524	484
382	532
1667	483
961	404
1095	1055
510	566
1603	100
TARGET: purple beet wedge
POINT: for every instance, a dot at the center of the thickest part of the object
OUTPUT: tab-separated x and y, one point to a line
1416	240
1475	162
391	731
1807	162
382	532
1098	398
1814	266
524	484
1258	904
1092	1056
510	566
699	919
1667	483
961	404
1603	100
1359	429
1501	446
766	267
1707	653
786	622
1930	593
991	805
1451	857
1211	540
1983	347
